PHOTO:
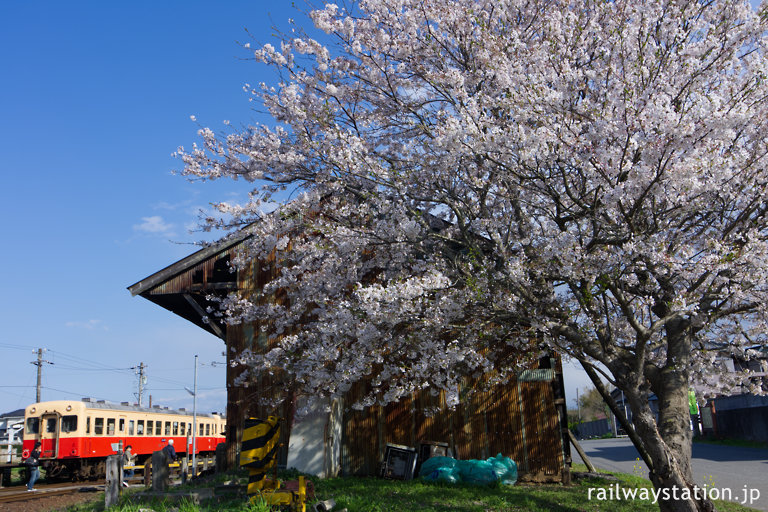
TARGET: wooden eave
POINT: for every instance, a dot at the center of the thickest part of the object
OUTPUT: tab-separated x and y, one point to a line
172	288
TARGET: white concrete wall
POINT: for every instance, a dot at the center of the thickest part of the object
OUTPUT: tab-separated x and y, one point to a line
315	443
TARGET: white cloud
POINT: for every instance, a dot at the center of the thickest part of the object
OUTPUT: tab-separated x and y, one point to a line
154	225
90	325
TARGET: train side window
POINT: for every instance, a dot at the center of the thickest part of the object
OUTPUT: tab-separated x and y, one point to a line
130	427
207	429
158	428
140	428
182	432
98	426
189	429
121	425
87	424
68	423
150	426
33	425
110	426
175	428
167	428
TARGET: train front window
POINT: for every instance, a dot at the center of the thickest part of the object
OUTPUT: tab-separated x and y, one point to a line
140	428
68	423
110	426
50	425
33	425
98	426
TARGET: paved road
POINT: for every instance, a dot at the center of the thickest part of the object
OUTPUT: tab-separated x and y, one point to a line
720	467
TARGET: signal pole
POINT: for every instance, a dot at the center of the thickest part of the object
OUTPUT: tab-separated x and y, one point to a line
39	364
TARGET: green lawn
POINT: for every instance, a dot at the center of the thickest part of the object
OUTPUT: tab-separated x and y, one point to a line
377	495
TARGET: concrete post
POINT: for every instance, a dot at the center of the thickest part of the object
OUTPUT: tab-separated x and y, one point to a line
184	469
114	478
221	458
159	471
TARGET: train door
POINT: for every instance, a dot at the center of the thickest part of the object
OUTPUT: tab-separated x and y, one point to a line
49	435
121	428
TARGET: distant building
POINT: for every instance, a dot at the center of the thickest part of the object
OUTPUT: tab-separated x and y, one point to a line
11	432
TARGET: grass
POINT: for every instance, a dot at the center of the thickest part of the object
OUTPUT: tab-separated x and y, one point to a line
378	495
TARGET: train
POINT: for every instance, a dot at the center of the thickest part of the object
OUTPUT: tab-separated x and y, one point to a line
77	436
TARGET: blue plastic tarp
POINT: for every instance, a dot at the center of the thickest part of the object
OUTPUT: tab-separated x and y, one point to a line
477	472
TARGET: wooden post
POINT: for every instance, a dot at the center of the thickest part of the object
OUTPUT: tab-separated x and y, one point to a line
148	473
5	476
159	471
114	476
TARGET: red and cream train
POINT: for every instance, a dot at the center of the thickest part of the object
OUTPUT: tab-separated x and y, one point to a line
77	436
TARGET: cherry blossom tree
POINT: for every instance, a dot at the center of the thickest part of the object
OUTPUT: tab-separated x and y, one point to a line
479	180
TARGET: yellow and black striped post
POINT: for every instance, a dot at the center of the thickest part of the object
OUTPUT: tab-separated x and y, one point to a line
258	453
258	450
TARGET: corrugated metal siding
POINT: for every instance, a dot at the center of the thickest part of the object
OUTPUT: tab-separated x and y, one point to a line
518	420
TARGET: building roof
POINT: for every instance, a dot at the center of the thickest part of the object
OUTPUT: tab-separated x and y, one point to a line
183	287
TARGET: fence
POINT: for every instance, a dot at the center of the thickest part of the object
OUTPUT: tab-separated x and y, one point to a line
10	453
737	417
591	429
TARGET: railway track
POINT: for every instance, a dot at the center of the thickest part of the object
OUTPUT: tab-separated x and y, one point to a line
20	493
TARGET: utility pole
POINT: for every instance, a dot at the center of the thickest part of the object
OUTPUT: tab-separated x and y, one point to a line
39	364
142	381
193	392
578	404
194	423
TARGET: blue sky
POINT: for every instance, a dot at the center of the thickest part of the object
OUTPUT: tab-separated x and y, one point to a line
94	99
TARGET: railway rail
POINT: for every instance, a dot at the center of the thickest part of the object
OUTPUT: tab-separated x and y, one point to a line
19	493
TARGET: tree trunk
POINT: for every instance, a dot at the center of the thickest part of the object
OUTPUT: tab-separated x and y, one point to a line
669	447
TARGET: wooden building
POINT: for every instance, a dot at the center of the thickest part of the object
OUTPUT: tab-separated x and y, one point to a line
524	419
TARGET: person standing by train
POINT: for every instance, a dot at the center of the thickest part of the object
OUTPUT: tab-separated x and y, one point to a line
33	465
129	459
170	451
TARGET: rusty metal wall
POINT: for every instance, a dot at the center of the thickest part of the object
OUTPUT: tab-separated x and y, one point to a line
516	419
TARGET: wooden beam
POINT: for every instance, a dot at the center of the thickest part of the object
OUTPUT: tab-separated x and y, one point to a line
197	307
583	455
